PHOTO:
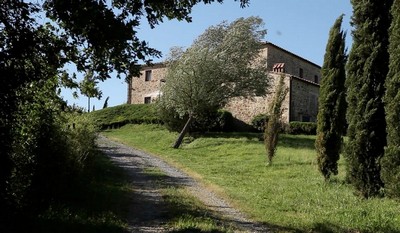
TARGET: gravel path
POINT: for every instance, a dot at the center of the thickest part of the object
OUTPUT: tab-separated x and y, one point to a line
147	208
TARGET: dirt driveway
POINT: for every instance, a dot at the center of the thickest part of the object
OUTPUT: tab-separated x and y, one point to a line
148	208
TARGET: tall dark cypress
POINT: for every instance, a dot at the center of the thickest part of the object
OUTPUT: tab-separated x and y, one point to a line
332	103
391	160
367	69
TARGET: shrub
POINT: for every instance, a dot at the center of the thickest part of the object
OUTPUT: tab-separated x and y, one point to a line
224	121
259	122
215	121
297	127
47	155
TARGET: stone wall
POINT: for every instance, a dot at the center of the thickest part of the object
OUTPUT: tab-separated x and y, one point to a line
293	63
303	100
141	89
302	96
245	109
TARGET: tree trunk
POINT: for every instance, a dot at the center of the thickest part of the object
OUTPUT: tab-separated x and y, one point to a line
178	141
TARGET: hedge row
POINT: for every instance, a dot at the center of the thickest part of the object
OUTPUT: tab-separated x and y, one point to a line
297	127
294	127
118	116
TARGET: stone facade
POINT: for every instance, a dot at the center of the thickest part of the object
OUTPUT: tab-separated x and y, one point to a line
293	64
142	90
301	77
245	109
301	103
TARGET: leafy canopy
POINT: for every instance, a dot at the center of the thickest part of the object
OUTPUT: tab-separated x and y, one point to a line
222	63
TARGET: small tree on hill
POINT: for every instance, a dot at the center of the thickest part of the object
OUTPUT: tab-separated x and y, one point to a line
88	87
224	62
273	125
391	160
105	105
332	103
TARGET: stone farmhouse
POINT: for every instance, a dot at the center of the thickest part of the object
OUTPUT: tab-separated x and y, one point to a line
302	77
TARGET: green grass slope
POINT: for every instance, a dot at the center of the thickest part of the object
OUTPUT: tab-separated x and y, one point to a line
290	195
115	117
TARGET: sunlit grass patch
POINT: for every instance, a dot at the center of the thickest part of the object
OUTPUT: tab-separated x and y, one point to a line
291	195
184	212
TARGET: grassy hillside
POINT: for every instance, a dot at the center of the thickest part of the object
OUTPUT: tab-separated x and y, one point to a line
114	117
290	195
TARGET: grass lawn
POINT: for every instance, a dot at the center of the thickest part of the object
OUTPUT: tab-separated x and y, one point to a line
290	195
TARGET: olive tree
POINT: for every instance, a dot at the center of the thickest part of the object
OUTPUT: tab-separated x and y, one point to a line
222	63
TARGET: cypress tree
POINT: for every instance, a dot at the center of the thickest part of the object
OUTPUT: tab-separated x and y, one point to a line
332	102
273	125
391	160
367	69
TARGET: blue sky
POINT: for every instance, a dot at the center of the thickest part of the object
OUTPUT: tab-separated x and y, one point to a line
300	26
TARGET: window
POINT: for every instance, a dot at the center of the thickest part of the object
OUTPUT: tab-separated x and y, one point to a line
147	100
148	76
301	73
316	79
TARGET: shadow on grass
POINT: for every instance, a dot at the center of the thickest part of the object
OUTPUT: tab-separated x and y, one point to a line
195	230
235	135
285	140
297	141
327	227
96	203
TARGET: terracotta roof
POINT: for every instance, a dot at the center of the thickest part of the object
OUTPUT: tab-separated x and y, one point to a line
305	80
278	65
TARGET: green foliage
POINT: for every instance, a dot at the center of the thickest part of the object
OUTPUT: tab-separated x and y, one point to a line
103	36
367	69
92	35
105	105
88	86
298	127
29	53
222	63
216	67
211	120
332	103
274	124
391	160
258	122
214	121
117	116
48	156
224	122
